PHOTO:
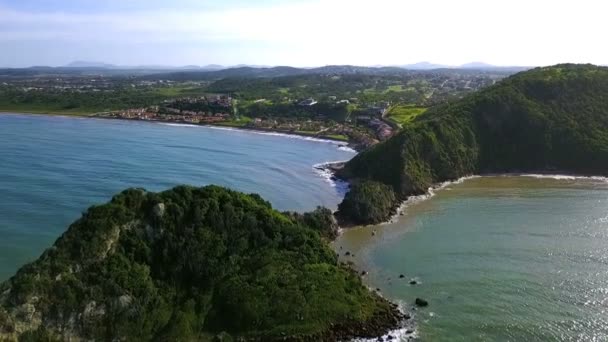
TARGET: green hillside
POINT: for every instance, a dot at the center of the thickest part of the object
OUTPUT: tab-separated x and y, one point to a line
552	119
191	264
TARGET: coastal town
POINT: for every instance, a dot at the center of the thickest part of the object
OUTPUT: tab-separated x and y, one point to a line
358	105
366	128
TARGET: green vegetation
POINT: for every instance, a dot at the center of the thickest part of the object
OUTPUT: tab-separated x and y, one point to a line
241	121
190	264
87	102
367	202
552	119
404	114
341	137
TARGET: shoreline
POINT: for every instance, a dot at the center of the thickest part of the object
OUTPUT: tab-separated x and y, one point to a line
347	143
412	327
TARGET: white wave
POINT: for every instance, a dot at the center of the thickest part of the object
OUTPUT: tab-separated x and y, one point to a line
560	177
178	124
324	172
400	334
346	149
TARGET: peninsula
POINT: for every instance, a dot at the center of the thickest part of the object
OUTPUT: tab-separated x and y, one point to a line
546	120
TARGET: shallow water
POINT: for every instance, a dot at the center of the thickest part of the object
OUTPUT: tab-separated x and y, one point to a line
498	259
54	168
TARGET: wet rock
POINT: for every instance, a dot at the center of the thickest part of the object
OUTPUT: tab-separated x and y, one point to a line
413	282
363	273
409	331
377	289
401	276
421	302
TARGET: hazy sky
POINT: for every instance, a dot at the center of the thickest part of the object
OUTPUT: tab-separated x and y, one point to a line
302	32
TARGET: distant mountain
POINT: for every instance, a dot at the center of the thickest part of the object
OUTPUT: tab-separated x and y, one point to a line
101	65
423	66
478	65
213	67
486	66
88	64
216	72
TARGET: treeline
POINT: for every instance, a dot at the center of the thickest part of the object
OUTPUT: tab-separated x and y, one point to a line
79	101
365	88
334	111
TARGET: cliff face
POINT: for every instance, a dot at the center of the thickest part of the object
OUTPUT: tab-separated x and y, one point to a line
189	264
546	119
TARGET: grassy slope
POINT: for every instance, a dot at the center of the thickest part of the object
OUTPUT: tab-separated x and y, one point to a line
546	119
205	261
404	114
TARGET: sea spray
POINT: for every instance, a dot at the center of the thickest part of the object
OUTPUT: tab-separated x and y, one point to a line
325	171
405	332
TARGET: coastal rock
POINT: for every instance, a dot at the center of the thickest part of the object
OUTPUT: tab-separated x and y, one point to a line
159	210
413	282
124	301
401	276
421	302
93	310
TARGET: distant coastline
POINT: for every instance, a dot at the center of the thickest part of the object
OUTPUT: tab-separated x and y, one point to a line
356	147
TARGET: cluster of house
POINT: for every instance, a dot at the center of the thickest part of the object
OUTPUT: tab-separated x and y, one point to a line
382	129
156	113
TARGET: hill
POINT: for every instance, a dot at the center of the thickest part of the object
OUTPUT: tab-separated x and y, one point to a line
191	264
552	119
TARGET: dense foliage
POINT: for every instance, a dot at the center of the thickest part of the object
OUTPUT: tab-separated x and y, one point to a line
188	264
367	202
119	96
552	119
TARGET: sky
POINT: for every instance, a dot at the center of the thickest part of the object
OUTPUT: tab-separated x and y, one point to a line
302	33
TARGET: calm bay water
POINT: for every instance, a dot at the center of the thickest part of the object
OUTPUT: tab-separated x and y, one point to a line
498	259
54	168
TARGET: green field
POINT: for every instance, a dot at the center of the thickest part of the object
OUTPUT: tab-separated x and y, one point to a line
341	137
240	122
395	87
403	114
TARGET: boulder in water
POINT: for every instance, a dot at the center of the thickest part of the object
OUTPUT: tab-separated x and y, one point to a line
421	302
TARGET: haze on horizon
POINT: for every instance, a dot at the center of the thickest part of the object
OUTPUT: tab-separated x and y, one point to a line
301	32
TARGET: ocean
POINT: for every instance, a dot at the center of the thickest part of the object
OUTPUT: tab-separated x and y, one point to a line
53	168
498	259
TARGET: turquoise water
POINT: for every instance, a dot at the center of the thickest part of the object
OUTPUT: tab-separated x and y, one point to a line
498	259
54	168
